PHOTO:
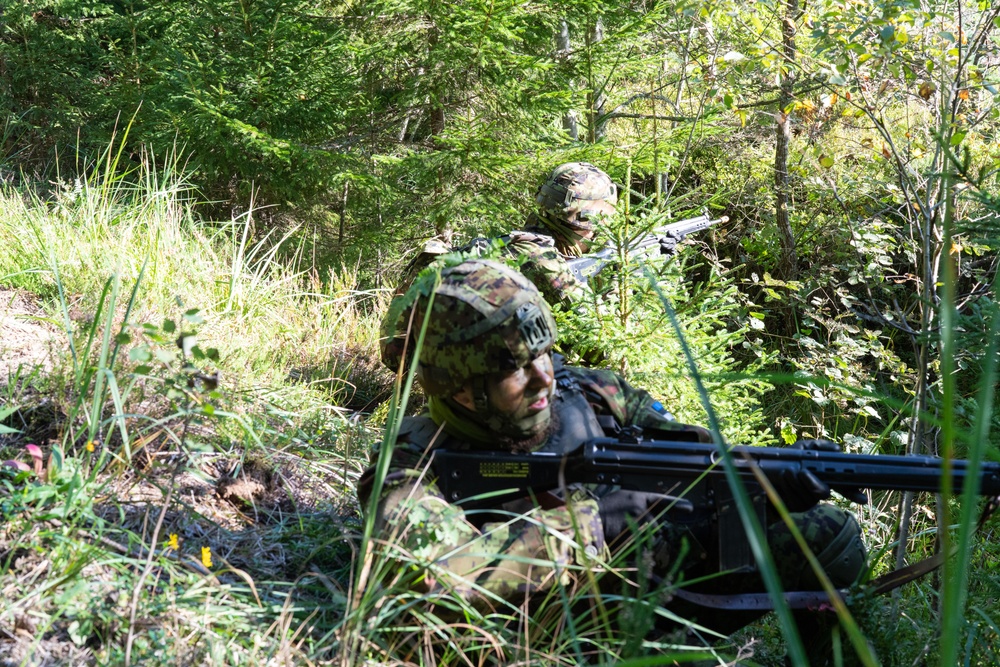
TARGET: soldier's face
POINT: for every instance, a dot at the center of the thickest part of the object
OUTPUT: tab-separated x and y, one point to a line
521	398
582	244
525	392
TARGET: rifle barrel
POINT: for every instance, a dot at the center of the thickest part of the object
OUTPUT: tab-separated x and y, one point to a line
838	469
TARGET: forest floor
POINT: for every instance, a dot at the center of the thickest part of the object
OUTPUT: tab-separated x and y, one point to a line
252	515
26	336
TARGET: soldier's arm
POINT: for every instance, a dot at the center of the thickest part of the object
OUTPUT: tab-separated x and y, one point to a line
609	393
547	269
501	561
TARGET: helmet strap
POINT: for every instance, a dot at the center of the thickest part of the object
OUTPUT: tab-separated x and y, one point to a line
480	395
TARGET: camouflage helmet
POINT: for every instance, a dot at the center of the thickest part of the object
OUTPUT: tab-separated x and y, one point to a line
485	318
573	194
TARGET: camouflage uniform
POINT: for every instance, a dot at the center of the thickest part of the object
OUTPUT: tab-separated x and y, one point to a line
575	196
569	201
481	555
487	318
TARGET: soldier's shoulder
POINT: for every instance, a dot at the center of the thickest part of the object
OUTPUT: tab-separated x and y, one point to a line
417	432
598	383
531	237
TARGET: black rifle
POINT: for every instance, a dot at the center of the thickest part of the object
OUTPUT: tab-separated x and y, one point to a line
689	472
587	266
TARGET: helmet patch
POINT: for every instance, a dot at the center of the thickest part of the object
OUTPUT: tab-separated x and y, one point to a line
534	329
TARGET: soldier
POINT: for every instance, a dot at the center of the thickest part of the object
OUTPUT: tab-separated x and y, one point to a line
492	382
571	201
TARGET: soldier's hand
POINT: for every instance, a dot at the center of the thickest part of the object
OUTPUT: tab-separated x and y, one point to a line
801	490
668	243
620	509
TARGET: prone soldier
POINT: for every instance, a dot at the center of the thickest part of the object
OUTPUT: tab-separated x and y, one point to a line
570	203
493	384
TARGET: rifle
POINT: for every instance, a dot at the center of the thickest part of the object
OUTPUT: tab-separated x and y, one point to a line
692	476
585	267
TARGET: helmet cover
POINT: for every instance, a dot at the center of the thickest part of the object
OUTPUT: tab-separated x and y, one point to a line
485	317
573	195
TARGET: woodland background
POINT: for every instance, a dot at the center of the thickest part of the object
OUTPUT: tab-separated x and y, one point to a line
205	206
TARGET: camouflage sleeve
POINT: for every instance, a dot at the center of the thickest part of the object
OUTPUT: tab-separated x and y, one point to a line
501	561
547	269
609	393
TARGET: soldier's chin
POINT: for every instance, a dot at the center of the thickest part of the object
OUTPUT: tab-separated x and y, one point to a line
528	438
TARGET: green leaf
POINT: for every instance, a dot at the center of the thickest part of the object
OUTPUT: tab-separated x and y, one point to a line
826	161
4	413
956	138
140	354
169	326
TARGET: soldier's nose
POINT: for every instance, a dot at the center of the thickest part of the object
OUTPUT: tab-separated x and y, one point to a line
541	372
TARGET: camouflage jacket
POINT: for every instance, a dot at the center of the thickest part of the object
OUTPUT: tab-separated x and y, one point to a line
522	548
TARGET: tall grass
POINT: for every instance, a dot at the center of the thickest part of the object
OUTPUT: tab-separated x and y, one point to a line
268	312
121	261
305	581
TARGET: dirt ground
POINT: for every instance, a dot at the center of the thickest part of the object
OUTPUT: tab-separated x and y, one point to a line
27	339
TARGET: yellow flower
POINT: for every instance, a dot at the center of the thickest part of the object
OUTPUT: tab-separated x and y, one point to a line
90	446
173	543
206	556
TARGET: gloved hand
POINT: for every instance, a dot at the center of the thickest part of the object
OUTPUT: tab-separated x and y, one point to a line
668	243
801	490
619	508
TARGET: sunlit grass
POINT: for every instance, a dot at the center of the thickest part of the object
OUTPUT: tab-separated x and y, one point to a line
292	580
272	315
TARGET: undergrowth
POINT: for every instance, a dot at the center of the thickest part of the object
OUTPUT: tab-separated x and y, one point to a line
180	483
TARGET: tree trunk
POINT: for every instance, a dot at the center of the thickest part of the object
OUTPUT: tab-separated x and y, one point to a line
788	265
595	98
570	121
343	214
438	93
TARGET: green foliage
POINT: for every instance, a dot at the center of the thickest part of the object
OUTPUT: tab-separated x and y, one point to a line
624	326
371	126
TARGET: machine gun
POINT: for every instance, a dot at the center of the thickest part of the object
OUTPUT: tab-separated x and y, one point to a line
694	479
585	267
